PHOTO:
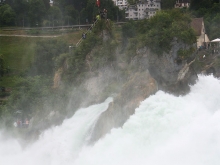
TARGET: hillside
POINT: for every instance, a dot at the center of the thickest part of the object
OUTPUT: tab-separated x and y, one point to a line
17	48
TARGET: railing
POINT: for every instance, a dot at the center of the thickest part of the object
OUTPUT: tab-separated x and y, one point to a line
90	28
51	27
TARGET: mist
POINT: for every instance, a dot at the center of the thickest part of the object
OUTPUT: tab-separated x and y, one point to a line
165	129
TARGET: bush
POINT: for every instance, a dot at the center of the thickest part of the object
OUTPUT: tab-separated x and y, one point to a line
159	31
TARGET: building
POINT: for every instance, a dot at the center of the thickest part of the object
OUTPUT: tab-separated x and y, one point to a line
114	1
51	3
122	4
143	9
198	25
2	1
182	4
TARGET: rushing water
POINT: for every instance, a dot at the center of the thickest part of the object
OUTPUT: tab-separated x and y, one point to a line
165	130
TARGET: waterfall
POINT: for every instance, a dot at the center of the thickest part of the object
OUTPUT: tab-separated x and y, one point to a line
165	130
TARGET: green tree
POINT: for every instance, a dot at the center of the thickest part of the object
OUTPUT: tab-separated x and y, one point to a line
7	15
164	27
128	31
21	9
37	12
78	4
71	15
46	4
167	4
198	4
214	27
54	15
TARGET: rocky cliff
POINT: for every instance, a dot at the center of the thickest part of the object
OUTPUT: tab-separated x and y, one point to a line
155	72
172	74
139	87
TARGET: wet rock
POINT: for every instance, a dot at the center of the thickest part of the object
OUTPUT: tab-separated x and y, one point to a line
139	87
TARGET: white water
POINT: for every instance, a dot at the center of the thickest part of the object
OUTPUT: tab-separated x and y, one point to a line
165	130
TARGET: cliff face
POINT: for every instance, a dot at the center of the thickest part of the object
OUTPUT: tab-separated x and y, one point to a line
155	72
173	75
140	86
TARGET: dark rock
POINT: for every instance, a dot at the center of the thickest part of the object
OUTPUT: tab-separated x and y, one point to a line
172	74
139	87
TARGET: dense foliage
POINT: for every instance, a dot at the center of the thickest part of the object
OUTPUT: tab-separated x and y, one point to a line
202	4
63	12
102	52
167	4
7	15
159	31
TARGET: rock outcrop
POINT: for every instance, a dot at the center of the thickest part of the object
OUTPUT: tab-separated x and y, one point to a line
139	87
173	75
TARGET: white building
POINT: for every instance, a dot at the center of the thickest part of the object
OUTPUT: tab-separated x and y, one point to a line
143	9
122	4
51	3
182	4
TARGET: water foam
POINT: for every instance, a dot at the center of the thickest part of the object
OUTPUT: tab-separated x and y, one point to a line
165	130
58	145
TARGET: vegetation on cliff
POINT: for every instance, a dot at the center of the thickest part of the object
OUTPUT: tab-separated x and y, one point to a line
158	32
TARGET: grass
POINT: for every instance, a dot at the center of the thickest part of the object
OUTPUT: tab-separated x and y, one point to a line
118	33
8	81
18	52
12	32
72	37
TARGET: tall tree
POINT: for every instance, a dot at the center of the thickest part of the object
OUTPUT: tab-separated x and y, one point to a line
46	4
21	8
54	14
37	12
71	15
198	4
167	4
7	15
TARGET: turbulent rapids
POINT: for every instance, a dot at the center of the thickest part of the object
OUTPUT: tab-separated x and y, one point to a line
165	130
